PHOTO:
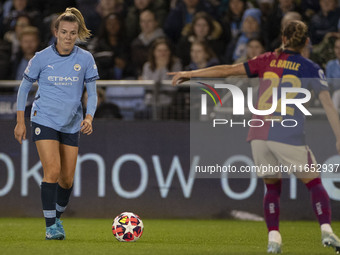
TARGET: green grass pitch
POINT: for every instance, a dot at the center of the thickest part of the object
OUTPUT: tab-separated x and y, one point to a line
24	236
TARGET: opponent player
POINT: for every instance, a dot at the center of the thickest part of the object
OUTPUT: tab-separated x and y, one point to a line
57	118
278	145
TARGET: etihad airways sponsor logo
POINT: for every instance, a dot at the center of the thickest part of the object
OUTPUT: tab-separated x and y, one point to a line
63	79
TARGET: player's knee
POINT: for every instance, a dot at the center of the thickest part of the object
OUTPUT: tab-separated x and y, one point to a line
65	182
51	177
51	173
66	185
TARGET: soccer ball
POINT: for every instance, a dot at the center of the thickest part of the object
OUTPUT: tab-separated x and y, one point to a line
127	227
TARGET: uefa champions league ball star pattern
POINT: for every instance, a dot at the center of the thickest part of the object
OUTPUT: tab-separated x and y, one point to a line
127	227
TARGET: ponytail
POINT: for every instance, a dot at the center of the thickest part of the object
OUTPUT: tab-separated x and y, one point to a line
296	33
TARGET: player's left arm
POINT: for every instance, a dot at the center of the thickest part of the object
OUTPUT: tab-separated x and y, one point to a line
332	115
86	124
91	75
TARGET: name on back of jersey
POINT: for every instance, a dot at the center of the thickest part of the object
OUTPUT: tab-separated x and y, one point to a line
286	64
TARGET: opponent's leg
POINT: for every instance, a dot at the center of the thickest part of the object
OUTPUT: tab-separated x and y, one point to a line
322	210
320	202
290	155
271	206
264	156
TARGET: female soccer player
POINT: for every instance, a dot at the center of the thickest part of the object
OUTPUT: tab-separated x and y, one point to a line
57	118
276	145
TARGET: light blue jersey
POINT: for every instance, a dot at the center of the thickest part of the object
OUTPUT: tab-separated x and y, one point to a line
61	81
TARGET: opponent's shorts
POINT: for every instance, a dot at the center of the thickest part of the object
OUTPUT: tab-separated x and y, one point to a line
40	132
274	158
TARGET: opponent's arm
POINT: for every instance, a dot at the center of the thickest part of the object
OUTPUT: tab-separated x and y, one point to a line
20	128
220	71
86	124
332	115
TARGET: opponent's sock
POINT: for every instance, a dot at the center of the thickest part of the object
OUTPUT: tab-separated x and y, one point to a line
271	205
63	196
274	236
320	201
326	228
48	199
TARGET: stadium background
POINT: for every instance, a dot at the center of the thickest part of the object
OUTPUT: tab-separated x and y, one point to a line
143	150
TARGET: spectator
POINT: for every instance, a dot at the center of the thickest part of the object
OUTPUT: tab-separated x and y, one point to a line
161	61
255	47
92	18
289	16
231	21
109	48
333	74
221	6
271	31
324	51
48	7
266	7
251	22
5	56
96	10
325	21
183	14
15	8
309	8
202	56
105	7
203	28
141	45
12	36
29	45
158	7
49	28
173	4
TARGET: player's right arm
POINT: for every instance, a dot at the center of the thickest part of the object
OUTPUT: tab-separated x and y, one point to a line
220	71
20	128
332	115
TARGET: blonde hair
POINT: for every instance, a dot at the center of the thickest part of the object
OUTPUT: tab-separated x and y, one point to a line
74	15
296	33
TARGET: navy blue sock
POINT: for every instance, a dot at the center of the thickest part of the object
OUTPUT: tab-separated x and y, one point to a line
63	196
48	199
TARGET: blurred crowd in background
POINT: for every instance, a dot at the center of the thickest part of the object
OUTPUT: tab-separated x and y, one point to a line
145	39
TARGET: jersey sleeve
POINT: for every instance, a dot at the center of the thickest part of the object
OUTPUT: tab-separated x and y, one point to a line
23	91
92	98
91	73
318	82
33	69
255	65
